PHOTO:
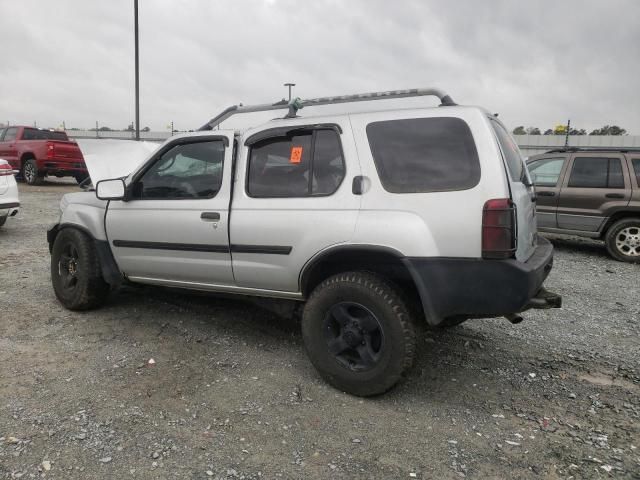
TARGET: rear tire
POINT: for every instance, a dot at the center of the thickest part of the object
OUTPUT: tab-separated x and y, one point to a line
75	271
623	240
358	333
30	173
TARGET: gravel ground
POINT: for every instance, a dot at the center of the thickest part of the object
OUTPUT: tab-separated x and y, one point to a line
232	395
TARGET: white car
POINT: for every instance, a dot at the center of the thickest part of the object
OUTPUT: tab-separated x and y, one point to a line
9	202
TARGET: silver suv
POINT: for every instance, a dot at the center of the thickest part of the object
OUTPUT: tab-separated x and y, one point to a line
374	220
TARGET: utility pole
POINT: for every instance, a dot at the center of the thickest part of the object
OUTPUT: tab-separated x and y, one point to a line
135	14
289	85
96	128
566	138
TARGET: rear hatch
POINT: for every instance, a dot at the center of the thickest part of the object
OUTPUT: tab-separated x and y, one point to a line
522	193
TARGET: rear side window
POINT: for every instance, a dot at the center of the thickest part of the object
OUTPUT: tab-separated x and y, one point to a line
596	172
636	168
546	172
510	151
306	164
424	155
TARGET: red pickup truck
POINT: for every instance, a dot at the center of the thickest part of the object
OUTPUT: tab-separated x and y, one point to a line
36	152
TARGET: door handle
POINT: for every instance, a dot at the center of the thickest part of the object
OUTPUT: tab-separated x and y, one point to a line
546	194
614	195
210	216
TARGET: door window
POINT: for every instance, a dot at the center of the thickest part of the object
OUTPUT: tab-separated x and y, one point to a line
596	172
192	170
636	168
546	172
10	134
305	164
2	130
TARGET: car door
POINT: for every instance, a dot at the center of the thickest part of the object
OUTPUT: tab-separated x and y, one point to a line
295	202
173	226
595	184
546	174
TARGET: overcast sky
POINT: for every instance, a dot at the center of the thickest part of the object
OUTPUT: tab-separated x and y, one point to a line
537	63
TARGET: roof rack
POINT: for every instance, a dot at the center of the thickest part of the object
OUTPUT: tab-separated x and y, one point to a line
593	149
296	104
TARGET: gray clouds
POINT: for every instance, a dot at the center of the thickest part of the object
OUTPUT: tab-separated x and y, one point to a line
537	63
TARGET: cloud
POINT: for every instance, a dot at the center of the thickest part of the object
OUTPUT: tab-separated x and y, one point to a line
536	63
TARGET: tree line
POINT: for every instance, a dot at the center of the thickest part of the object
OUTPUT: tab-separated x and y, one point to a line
562	130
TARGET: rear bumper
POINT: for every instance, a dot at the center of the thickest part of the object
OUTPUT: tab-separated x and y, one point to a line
65	167
475	288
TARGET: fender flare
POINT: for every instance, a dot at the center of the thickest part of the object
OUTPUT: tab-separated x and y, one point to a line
110	271
431	315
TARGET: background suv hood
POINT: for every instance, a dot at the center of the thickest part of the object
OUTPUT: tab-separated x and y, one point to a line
114	158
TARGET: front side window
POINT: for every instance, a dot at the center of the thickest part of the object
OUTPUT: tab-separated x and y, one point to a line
596	172
421	155
2	130
10	134
193	170
308	163
546	172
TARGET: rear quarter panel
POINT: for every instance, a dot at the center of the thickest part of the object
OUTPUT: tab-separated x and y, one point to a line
434	224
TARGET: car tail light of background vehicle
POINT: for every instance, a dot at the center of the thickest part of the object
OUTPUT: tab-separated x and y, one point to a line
5	169
51	150
498	228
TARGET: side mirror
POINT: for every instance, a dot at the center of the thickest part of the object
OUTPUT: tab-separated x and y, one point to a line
110	189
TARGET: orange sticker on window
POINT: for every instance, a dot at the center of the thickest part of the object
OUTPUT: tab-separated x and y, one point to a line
296	155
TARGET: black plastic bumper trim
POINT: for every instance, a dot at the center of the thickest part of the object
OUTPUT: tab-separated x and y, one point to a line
9	205
475	288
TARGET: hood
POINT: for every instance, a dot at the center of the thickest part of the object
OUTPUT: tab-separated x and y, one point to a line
108	158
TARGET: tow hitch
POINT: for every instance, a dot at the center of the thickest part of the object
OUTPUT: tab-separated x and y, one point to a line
542	300
545	299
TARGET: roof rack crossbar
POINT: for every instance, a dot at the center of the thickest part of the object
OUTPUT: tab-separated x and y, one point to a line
294	105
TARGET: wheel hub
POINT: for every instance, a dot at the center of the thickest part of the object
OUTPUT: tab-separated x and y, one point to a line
628	241
72	267
354	336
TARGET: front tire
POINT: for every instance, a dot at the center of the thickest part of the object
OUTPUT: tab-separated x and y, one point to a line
30	173
623	240
358	333
75	271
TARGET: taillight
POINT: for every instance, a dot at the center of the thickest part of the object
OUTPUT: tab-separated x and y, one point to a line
498	228
51	150
5	169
